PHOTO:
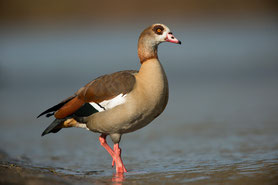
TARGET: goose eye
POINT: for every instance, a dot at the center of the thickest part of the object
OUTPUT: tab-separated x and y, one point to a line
158	29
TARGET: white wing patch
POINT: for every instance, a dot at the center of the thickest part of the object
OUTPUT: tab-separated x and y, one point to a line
109	104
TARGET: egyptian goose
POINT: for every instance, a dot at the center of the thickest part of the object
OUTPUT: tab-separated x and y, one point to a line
121	102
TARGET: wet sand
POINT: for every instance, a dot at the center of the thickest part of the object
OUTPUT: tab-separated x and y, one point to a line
15	172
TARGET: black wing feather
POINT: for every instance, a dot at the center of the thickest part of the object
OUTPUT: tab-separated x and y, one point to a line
53	126
55	107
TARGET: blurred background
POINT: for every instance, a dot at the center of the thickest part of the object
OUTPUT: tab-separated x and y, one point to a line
223	105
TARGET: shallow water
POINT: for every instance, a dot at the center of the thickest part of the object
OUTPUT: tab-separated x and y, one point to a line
170	150
220	126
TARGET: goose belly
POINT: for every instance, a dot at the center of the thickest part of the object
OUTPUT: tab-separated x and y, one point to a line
132	115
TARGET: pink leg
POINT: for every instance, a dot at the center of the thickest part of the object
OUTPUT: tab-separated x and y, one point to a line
102	140
116	154
120	168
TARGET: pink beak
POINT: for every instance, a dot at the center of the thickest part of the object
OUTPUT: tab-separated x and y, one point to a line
171	38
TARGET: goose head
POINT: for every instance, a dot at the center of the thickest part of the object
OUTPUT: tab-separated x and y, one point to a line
151	37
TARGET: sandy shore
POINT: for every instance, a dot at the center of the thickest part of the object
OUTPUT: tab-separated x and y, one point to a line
13	171
15	174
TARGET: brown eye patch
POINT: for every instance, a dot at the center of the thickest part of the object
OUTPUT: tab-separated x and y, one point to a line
158	29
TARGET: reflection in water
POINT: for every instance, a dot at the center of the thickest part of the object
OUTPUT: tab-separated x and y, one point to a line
118	178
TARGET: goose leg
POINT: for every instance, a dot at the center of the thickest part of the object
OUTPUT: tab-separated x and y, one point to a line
116	154
102	140
120	168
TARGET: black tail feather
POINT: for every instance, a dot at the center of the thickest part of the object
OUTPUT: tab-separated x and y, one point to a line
56	107
53	127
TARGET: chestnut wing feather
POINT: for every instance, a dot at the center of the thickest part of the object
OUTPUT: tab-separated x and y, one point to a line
103	88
